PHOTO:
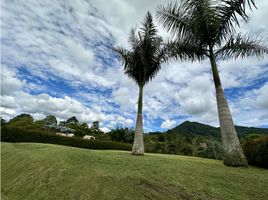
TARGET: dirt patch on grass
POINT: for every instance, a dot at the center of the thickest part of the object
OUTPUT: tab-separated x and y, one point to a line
157	190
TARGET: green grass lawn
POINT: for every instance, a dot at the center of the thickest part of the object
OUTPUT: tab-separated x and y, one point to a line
44	171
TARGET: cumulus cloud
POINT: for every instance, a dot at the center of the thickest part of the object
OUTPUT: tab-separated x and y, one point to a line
9	82
168	124
262	96
63	108
105	129
197	97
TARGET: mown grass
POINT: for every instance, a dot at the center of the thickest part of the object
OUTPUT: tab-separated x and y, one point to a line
45	171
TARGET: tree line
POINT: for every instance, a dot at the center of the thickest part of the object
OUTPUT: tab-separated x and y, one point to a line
50	122
23	128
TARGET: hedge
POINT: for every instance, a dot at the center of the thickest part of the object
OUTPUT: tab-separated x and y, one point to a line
22	135
256	151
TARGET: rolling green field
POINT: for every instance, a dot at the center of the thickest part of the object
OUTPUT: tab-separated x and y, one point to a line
44	171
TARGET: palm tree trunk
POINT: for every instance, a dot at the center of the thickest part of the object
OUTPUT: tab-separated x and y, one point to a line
232	152
138	145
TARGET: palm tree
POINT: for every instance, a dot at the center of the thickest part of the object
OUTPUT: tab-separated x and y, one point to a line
141	64
206	29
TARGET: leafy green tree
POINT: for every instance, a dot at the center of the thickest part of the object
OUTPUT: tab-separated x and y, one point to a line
187	150
3	121
21	121
39	124
62	123
84	126
206	29
253	136
122	135
161	137
50	120
80	129
256	150
95	127
73	120
141	64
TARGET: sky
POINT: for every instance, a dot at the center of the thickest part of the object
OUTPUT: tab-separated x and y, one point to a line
56	59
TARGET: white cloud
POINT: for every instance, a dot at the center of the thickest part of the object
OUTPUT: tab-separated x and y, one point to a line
241	72
126	97
123	15
167	124
9	82
56	37
262	97
105	129
250	108
197	97
63	108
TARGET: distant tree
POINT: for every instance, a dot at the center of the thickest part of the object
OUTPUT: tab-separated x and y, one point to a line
21	116
3	121
21	121
253	136
39	124
129	135
62	123
161	137
256	150
73	119
84	126
95	127
141	64
50	120
122	135
187	150
80	129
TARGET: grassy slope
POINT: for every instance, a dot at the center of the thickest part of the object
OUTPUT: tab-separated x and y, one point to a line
45	171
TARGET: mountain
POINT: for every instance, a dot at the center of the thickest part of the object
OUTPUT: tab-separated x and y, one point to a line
194	128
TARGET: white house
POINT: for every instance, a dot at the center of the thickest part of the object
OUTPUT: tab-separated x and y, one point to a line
65	134
89	137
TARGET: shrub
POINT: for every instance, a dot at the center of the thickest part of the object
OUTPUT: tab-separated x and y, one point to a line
256	151
150	147
22	135
122	135
187	150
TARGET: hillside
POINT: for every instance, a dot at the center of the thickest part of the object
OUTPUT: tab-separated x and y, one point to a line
195	128
45	171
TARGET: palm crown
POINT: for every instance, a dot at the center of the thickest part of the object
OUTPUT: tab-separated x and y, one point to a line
143	61
201	26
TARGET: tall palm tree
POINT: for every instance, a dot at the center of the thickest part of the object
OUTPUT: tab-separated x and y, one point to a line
141	64
206	29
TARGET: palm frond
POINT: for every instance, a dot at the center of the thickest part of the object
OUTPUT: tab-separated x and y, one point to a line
148	28
190	17
173	18
159	56
185	50
133	39
204	21
228	12
122	54
241	46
